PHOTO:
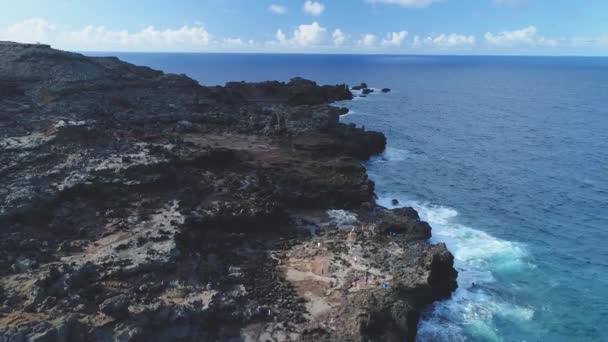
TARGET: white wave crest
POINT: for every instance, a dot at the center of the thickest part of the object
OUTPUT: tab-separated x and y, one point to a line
391	154
477	256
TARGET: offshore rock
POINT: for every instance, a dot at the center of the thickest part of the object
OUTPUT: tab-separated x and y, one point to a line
361	86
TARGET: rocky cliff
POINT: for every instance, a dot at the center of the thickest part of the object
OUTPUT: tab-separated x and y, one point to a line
140	206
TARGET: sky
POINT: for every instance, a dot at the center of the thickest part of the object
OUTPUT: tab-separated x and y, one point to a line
469	27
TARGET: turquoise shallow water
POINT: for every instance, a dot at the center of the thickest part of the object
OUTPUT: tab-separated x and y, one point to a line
506	157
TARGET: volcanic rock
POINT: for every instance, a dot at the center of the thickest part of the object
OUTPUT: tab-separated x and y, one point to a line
360	86
367	91
139	205
116	306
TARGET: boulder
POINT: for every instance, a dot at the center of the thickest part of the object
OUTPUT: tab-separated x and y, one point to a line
117	306
22	264
402	222
439	263
343	110
360	86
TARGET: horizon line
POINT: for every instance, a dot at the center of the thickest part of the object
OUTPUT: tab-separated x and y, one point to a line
333	54
319	53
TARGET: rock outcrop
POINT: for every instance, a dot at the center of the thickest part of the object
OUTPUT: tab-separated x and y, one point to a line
141	206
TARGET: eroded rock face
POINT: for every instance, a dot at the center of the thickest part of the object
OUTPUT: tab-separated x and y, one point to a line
365	284
138	205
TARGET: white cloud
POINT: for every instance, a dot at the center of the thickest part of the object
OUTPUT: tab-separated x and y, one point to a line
313	8
444	41
367	40
394	39
193	36
524	36
338	37
303	36
277	9
306	35
416	41
29	31
406	3
238	44
232	42
280	36
185	38
527	36
453	40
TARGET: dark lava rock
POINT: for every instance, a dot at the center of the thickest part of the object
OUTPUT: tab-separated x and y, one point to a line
343	110
442	273
367	91
360	87
116	306
386	90
296	92
395	202
170	207
305	92
402	222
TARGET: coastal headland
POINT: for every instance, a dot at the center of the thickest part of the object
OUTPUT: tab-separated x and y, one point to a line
141	206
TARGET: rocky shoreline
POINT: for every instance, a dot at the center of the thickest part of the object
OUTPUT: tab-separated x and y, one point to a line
140	206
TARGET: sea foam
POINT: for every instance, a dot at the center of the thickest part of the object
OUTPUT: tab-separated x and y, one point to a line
391	154
477	257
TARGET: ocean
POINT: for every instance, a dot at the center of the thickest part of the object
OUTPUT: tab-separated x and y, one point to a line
506	158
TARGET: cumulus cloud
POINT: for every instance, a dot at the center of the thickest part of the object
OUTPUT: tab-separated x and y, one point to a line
304	35
406	3
527	36
185	38
30	31
444	41
277	9
338	37
367	40
313	8
394	39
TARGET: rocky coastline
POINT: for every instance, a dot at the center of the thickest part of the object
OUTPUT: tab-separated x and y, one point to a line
141	206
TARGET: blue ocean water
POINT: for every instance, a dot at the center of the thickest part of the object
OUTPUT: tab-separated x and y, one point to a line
506	157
